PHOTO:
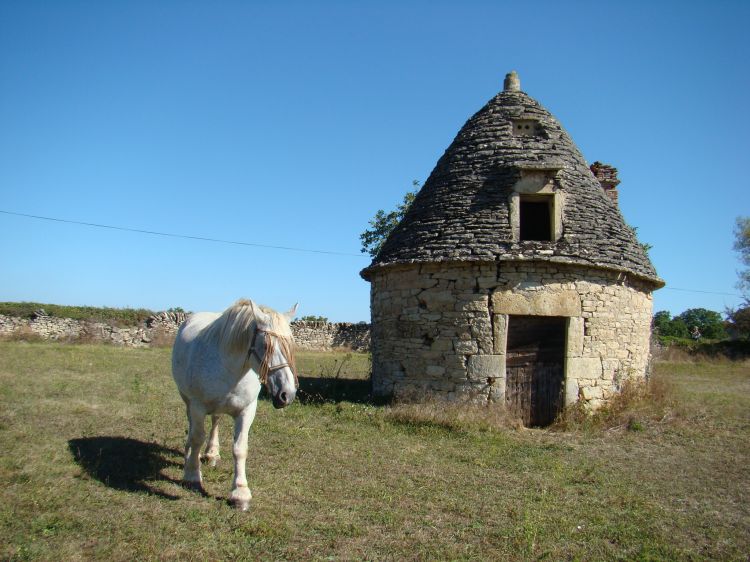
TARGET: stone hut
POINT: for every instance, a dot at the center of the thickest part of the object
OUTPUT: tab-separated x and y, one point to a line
513	278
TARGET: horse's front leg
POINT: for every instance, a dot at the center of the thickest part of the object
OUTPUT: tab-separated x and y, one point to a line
240	496
211	455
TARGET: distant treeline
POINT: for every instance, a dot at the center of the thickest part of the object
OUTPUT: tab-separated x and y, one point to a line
705	332
694	323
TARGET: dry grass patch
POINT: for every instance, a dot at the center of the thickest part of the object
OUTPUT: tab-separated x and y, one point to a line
638	404
22	334
452	416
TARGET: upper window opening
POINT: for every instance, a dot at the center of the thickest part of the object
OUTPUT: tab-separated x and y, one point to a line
535	218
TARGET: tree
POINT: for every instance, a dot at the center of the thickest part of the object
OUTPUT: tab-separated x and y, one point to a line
742	245
383	223
709	323
739	322
678	328
662	322
665	325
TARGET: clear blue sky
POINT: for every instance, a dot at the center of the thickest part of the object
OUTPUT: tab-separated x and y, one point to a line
291	123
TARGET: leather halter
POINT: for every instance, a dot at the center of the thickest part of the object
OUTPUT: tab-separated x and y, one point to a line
252	351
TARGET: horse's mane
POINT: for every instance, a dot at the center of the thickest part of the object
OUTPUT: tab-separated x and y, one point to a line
234	329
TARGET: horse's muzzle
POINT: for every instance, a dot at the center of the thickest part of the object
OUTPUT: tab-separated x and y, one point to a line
283	399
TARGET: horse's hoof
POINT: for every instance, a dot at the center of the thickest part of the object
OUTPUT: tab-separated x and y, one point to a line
242	505
213	460
193	486
240	498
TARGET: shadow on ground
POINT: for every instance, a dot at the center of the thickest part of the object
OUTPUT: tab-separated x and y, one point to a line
317	390
126	464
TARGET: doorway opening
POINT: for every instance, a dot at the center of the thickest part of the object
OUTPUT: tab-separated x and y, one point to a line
535	368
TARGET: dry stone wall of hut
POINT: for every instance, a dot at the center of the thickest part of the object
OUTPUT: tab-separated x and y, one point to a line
440	329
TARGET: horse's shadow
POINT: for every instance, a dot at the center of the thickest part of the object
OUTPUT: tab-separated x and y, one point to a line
126	464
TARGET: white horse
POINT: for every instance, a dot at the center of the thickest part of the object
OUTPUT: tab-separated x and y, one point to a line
219	362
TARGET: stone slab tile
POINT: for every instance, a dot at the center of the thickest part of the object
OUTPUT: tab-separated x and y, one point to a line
483	367
574	345
537	303
583	368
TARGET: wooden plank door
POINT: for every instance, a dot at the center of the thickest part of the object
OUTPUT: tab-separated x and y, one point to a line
535	358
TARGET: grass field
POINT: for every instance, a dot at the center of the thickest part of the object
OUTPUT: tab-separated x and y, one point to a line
92	439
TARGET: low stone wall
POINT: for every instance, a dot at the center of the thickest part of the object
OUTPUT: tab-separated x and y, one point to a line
161	328
327	335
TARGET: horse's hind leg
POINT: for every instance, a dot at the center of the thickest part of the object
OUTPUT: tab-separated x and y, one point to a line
196	437
211	455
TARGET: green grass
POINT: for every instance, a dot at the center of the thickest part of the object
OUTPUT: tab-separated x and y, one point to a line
92	439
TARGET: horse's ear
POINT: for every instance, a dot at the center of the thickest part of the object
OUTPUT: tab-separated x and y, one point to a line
291	312
261	317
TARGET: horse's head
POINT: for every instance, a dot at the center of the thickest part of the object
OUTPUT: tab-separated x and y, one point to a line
272	346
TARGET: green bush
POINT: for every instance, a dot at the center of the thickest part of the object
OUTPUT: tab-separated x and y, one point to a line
675	340
310	318
115	316
731	349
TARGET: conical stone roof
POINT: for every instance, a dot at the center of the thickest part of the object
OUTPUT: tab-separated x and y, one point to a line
463	211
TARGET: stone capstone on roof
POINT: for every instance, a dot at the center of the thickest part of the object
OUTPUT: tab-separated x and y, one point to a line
462	213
